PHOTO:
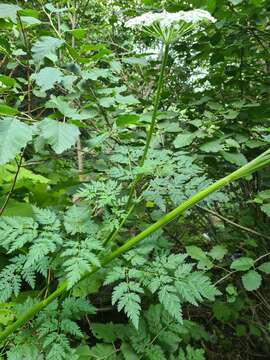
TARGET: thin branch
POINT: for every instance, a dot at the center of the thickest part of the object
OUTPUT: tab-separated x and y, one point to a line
241	227
13	184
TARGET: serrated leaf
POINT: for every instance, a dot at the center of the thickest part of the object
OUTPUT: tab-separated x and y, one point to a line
265	267
9	11
234	158
212	146
59	103
252	280
47	77
218	252
14	135
196	252
126	100
183	140
242	264
46	47
61	136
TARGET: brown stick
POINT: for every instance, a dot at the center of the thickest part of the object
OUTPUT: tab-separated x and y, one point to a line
241	227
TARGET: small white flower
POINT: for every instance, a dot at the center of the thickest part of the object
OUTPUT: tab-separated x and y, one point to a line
168	26
146	19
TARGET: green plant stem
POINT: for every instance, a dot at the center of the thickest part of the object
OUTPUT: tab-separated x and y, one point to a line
138	177
254	165
115	232
153	122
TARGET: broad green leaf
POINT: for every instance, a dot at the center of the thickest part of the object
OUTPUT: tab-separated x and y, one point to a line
47	77
183	140
218	252
16	208
83	352
196	252
264	194
95	73
234	158
265	267
46	47
106	332
232	114
127	119
103	351
61	136
58	102
252	280
14	135
128	352
126	100
8	171
7	80
266	209
107	101
135	61
9	11
212	146
7	110
29	20
242	264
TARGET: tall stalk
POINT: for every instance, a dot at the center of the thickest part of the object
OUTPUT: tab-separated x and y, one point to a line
153	121
254	165
129	207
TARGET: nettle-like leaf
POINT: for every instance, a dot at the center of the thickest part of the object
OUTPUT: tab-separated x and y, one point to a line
252	280
9	11
61	136
46	47
47	77
242	264
14	135
59	103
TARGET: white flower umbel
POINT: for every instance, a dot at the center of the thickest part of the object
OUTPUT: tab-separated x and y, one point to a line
170	26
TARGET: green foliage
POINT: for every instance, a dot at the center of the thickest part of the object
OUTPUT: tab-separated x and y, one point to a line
45	47
14	135
170	277
77	91
60	136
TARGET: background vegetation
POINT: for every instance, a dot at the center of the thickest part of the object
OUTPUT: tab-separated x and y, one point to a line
77	90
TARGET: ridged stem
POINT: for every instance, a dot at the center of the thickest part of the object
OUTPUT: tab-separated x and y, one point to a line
153	123
254	165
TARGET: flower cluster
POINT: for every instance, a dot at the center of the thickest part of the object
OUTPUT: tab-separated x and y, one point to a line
169	26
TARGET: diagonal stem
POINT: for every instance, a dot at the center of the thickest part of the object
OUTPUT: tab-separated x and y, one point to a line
254	165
